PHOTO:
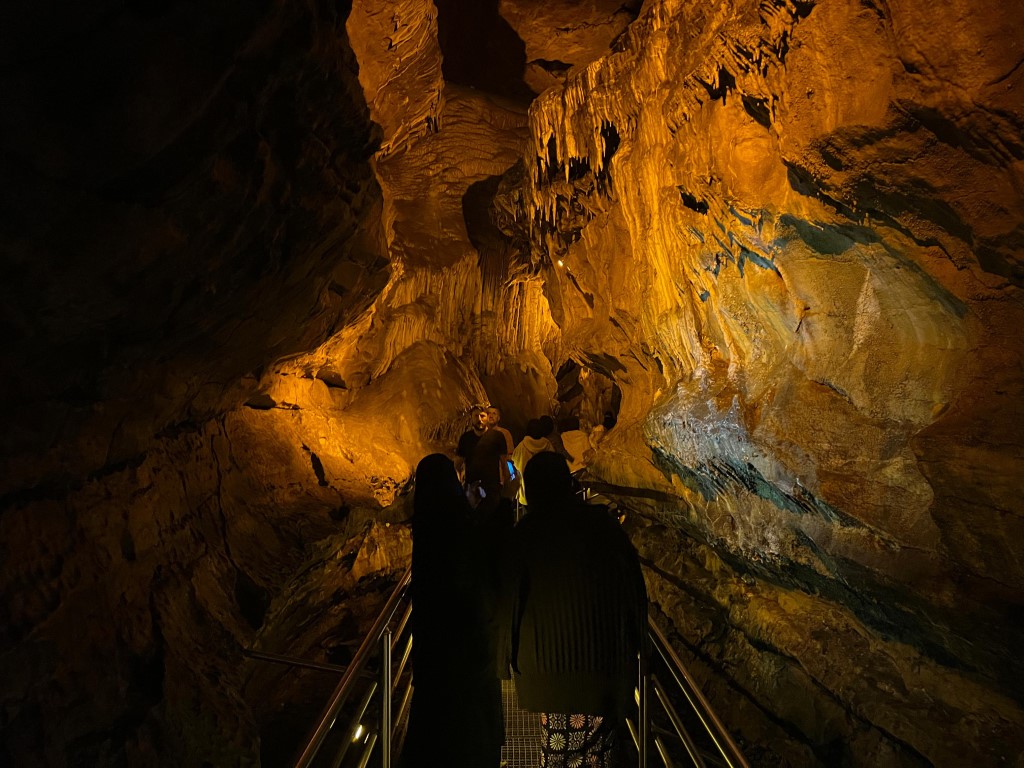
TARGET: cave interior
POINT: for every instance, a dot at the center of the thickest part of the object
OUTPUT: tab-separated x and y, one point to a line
259	258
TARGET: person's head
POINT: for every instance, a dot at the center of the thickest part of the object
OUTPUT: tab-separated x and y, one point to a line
569	423
548	482
547	425
477	419
493	416
438	490
533	429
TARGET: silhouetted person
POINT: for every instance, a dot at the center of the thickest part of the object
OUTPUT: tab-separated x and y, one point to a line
468	440
456	717
578	613
488	466
491	490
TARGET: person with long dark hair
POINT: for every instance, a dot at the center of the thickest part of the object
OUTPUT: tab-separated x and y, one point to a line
456	716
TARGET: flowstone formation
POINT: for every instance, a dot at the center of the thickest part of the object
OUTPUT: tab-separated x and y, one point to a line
263	259
792	232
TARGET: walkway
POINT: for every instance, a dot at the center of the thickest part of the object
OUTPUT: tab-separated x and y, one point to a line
522	731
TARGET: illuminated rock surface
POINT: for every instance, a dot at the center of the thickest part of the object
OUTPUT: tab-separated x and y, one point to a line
260	260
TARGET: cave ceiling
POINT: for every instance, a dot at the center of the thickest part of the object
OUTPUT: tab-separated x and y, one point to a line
259	258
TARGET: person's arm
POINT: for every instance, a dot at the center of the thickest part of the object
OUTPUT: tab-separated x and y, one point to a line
508	606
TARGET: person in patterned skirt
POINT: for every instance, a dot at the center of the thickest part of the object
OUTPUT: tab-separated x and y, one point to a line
578	608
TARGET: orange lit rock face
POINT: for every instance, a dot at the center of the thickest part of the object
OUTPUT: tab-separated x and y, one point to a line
817	247
791	233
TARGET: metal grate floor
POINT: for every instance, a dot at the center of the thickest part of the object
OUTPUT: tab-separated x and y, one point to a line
522	731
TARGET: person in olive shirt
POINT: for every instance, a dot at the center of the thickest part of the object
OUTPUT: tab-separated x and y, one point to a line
577	607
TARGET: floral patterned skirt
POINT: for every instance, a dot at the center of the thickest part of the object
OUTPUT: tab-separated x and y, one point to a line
576	741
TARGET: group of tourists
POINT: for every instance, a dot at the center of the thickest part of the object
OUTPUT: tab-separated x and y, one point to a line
481	457
556	602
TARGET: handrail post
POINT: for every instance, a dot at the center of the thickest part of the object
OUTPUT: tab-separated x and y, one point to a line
385	702
643	719
721	737
340	695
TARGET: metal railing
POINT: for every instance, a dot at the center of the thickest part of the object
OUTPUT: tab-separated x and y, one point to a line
703	739
695	737
328	745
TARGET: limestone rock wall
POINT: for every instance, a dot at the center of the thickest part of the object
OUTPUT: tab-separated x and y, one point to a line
348	577
232	334
456	322
167	234
795	229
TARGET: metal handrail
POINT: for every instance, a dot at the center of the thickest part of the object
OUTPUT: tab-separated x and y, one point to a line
716	731
347	684
293	661
387	633
385	699
406	655
677	724
354	723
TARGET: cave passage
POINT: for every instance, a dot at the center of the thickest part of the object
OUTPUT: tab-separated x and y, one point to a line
760	261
